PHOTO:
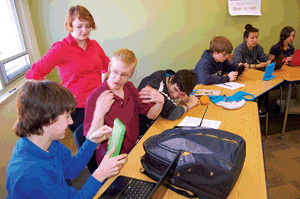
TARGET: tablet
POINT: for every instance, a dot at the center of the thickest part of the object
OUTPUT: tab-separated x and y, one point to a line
241	69
269	71
117	136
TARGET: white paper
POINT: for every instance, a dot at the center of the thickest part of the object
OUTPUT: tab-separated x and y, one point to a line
244	7
231	85
193	121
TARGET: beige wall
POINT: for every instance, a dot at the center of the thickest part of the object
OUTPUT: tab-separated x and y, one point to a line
7	138
163	34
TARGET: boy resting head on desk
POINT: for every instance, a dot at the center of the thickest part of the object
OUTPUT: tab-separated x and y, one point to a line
214	64
40	164
175	87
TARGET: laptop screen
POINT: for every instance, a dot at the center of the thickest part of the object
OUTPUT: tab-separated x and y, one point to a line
296	58
163	184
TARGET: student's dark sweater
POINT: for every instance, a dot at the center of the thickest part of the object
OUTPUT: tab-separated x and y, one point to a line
211	72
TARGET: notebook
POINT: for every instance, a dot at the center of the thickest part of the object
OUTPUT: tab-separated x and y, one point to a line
116	138
269	71
296	58
127	187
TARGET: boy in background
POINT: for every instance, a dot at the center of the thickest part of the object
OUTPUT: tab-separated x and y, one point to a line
214	64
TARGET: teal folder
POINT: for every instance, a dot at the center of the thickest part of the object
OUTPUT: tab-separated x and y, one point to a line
269	71
117	136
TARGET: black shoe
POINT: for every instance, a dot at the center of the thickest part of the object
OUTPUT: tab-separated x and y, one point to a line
262	113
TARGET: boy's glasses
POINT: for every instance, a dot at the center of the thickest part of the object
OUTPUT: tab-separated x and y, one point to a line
122	75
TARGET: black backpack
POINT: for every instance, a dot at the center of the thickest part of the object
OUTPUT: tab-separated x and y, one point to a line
210	165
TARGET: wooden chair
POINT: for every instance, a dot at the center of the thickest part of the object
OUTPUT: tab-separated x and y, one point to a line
230	58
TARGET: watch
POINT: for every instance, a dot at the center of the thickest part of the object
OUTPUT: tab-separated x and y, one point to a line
187	107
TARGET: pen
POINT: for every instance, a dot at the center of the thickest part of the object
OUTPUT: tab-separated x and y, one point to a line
227	85
12	90
203	116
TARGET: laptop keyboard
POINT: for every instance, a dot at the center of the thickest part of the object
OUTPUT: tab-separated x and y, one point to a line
137	189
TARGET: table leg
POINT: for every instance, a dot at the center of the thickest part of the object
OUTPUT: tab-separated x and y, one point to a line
267	113
281	105
287	104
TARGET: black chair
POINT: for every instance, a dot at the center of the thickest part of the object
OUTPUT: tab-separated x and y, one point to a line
80	139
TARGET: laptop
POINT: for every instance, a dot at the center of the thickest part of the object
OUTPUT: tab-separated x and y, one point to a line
269	71
278	64
296	58
127	187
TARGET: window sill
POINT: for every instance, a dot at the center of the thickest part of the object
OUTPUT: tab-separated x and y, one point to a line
11	90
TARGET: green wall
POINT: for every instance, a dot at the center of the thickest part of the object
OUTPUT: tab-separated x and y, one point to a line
163	33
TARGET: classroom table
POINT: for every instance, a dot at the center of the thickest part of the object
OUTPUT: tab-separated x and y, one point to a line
243	121
291	76
253	84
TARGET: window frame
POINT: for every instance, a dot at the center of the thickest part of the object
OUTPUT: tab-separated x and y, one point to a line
31	49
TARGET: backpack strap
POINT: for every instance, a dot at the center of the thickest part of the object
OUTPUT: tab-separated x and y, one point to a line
240	95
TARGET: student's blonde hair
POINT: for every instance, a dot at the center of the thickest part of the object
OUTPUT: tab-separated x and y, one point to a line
126	56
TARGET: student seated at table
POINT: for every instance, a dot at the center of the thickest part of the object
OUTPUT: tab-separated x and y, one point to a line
173	87
40	164
214	64
284	46
250	53
119	99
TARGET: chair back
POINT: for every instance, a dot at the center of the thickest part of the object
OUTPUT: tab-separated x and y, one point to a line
230	58
79	137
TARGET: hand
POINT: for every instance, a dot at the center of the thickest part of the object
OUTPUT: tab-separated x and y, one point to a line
232	75
104	103
193	101
109	167
150	94
185	99
289	59
245	64
101	134
241	64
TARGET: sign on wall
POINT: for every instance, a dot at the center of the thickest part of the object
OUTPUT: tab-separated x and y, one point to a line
244	7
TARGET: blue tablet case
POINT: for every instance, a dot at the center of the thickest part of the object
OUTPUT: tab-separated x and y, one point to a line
268	72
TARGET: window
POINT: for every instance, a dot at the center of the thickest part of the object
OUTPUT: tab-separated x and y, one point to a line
14	57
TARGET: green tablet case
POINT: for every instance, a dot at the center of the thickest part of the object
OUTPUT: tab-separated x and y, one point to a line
116	138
